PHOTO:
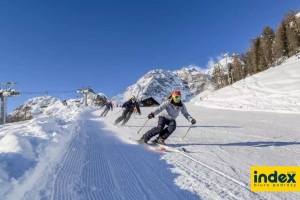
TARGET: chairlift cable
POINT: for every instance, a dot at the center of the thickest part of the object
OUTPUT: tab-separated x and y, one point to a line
47	92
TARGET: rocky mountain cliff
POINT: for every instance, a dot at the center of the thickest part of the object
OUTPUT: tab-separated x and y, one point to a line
160	83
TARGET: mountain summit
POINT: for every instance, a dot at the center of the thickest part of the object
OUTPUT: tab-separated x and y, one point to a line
159	83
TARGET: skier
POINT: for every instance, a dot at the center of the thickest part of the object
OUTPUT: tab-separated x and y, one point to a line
128	108
108	106
170	109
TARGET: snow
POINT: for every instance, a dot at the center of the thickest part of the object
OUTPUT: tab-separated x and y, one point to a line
158	84
276	89
75	154
25	147
223	64
298	15
221	148
47	106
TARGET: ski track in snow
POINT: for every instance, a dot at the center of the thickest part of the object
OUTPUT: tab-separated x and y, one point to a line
99	166
98	163
224	145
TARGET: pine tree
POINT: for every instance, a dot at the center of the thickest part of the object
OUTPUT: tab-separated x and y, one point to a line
243	58
260	63
237	68
284	39
297	24
267	45
292	32
277	47
250	59
218	76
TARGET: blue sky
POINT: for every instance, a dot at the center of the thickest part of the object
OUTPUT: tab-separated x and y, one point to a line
61	45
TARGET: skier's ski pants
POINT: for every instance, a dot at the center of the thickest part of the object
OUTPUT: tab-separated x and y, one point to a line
163	133
104	113
125	116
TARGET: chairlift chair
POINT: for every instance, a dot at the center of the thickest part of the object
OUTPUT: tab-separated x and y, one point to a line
77	102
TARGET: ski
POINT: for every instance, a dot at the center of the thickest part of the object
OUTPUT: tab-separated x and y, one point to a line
179	149
154	148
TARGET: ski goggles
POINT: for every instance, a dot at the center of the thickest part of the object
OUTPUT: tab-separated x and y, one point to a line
177	97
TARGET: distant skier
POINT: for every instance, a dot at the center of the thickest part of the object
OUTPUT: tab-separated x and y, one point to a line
169	109
128	108
108	105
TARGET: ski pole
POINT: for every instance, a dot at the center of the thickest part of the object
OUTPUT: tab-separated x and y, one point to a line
118	111
142	126
182	138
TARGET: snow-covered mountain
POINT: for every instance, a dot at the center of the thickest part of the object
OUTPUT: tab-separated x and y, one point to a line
160	83
35	107
223	63
276	89
47	105
197	81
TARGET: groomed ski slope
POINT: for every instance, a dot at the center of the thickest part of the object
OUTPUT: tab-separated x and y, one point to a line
95	164
98	162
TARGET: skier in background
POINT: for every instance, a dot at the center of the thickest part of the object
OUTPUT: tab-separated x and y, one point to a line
108	105
169	110
128	108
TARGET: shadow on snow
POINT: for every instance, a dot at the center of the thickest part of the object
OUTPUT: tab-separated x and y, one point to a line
254	144
194	126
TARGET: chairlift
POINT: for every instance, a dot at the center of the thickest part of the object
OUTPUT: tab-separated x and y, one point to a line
77	102
64	102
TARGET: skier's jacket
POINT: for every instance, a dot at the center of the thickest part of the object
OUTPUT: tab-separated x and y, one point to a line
129	105
109	105
170	110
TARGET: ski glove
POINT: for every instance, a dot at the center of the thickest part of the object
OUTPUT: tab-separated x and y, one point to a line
150	116
193	121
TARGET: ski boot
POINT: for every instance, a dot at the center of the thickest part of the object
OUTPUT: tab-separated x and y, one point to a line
161	141
155	140
141	141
